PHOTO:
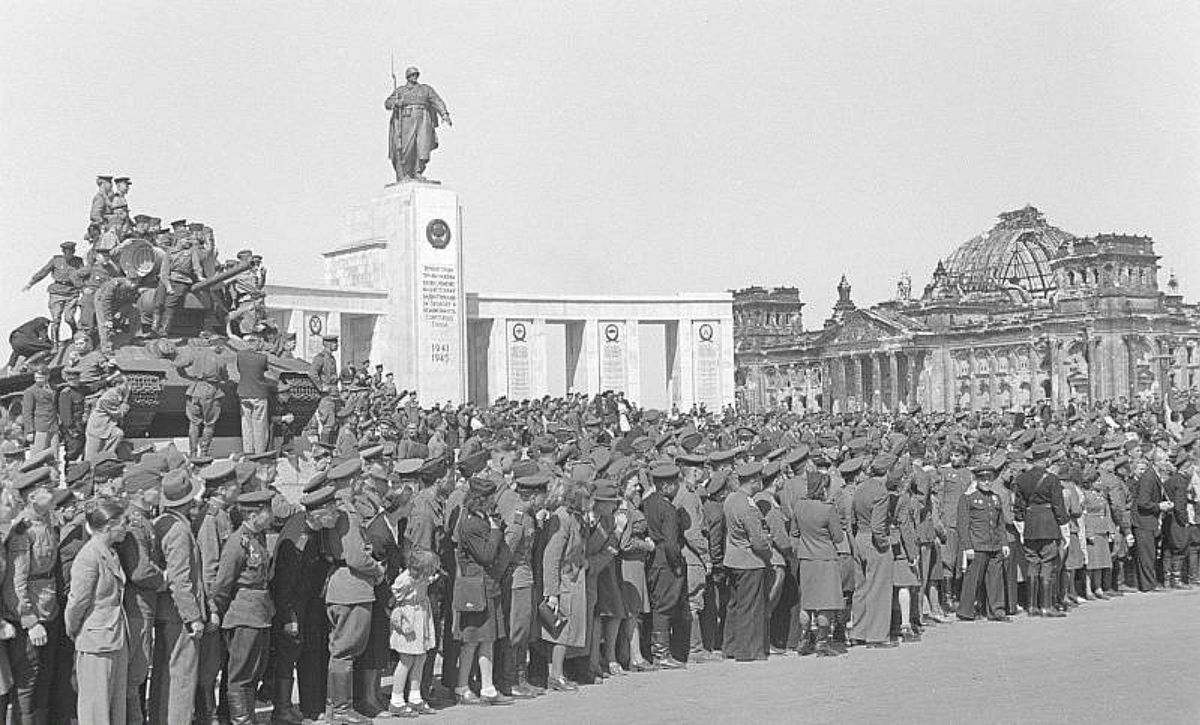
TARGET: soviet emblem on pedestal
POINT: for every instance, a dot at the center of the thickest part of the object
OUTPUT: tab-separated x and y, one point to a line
314	325
438	233
612	333
518	332
706	332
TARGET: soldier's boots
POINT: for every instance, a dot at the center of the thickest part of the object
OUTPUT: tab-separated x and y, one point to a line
661	651
284	713
241	707
341	693
366	684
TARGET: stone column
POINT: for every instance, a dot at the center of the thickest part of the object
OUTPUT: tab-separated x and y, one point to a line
893	399
861	382
914	376
876	380
970	380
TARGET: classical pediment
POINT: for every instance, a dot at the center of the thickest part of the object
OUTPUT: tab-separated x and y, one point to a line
869	326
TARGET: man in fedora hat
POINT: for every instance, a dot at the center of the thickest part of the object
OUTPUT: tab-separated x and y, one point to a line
182	614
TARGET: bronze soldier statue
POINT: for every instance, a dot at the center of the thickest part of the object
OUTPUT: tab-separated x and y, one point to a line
416	109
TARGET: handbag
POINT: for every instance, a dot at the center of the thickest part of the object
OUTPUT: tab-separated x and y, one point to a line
469	595
552	620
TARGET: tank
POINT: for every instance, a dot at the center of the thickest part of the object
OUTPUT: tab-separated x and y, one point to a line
158	390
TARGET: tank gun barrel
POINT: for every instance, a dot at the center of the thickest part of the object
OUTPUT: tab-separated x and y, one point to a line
220	277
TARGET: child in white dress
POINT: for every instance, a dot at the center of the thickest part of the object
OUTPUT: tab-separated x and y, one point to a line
412	634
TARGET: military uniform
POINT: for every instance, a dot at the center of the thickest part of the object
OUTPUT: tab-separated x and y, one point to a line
183	271
349	595
981	531
666	573
89	279
113	296
324	374
1038	503
243	601
301	567
205	371
216	526
63	289
31	599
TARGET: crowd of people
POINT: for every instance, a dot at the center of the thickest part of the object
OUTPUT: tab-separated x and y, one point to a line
488	554
484	555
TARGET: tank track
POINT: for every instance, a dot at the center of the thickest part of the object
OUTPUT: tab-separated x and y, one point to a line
145	399
301	398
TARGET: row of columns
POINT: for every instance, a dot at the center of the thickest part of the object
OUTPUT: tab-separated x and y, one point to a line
872	380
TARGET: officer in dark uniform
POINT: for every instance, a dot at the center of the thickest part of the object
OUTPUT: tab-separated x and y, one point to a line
981	536
349	594
1039	511
30	594
301	567
243	601
324	374
666	572
63	289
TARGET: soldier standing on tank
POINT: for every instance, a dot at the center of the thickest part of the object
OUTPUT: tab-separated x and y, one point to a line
324	374
184	270
202	365
120	191
89	278
102	201
63	289
243	601
71	401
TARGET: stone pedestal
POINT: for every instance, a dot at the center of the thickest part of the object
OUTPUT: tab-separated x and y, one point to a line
425	337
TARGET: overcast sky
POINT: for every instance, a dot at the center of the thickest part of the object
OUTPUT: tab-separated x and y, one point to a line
613	147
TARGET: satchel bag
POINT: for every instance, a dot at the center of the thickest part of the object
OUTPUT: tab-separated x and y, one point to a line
469	593
552	620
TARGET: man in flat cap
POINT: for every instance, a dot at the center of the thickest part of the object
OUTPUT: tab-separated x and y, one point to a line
412	135
64	287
